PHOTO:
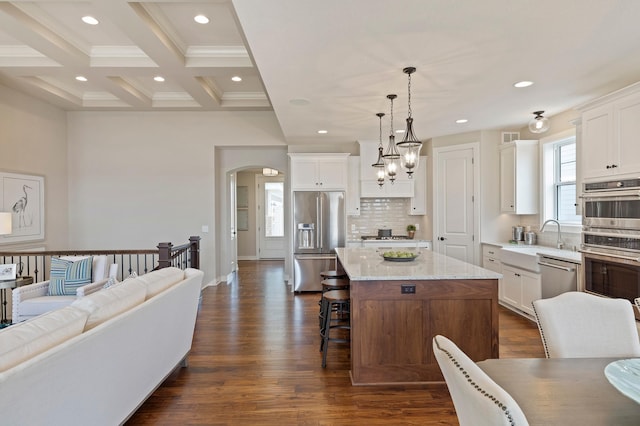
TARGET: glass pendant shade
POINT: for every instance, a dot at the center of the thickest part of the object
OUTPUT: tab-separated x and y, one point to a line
538	124
391	156
409	147
379	164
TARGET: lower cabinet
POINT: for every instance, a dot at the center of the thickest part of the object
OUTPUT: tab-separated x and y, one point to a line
520	288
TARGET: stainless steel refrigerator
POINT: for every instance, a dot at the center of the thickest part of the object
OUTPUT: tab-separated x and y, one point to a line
319	227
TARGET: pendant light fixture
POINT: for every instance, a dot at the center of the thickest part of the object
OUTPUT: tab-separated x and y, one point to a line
410	146
538	124
392	156
379	165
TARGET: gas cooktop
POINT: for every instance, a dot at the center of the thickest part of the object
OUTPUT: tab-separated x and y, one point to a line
393	237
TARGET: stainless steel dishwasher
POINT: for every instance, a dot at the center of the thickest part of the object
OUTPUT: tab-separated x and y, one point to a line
558	276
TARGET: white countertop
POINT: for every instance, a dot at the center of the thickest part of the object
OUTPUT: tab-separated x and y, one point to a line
568	255
366	264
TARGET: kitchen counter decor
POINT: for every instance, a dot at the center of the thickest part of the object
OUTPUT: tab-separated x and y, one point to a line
399	256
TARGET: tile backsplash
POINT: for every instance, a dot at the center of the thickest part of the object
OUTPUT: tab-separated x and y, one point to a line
380	213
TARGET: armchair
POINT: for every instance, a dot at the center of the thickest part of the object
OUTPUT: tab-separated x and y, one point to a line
32	300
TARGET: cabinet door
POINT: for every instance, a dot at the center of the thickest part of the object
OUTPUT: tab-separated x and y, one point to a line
627	129
531	290
512	286
597	133
332	174
494	265
353	187
304	173
508	179
419	199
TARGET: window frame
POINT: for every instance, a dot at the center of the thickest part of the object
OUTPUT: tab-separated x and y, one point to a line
549	168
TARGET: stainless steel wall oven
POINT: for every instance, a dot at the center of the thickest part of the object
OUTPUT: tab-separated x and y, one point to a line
611	238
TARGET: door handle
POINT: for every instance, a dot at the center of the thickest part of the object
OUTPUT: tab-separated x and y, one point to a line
442	238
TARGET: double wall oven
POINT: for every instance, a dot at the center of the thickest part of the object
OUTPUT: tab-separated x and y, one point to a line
611	238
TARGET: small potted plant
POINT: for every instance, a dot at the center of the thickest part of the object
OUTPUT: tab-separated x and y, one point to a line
411	231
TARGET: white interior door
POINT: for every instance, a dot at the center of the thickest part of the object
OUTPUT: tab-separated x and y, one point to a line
456	216
270	211
232	246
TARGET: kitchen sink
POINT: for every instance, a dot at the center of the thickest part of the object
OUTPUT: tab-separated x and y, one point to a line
521	257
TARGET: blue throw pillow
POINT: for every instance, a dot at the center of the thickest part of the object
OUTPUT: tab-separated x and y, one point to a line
66	276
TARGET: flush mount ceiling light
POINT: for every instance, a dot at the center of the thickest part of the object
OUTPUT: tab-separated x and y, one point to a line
462	121
379	165
90	20
81	78
236	78
391	156
409	147
201	19
266	171
158	78
521	84
538	124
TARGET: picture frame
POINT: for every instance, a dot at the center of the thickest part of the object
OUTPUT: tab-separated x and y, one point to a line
23	196
8	272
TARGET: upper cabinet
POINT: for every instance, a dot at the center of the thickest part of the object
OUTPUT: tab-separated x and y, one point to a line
610	129
353	187
419	201
403	187
519	177
318	172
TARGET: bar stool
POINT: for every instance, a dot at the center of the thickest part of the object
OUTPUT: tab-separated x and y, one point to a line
333	274
333	301
328	285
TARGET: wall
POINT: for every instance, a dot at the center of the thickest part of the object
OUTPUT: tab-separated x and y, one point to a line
34	141
247	239
379	213
139	178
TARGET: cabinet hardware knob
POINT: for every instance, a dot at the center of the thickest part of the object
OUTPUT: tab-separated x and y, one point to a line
442	238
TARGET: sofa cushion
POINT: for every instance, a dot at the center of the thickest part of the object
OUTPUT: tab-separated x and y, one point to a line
25	340
98	267
66	275
160	280
40	305
107	303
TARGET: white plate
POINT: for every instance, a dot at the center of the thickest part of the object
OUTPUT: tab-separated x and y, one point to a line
624	375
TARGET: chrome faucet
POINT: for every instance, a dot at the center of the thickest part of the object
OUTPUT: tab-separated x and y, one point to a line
559	244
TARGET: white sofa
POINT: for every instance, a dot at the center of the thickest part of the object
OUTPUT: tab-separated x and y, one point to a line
94	362
32	300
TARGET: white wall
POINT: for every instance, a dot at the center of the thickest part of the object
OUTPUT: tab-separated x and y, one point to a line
139	178
33	139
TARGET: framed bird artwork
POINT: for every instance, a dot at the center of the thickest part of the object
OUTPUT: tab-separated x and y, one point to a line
23	196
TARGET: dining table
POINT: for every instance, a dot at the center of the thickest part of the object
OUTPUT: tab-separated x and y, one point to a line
563	391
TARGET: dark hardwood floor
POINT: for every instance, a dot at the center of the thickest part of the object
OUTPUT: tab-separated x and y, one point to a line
256	361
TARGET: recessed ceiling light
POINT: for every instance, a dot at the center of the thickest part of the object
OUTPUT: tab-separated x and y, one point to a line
159	78
201	19
524	83
462	121
323	132
299	102
89	20
81	78
236	78
400	131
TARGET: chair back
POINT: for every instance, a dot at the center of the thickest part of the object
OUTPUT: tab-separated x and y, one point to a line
582	325
478	400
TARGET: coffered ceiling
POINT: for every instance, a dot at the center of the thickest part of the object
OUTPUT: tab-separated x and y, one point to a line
325	65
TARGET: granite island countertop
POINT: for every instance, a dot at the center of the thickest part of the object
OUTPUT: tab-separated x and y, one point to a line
367	264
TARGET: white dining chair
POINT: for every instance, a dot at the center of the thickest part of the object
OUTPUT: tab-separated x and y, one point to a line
478	400
582	325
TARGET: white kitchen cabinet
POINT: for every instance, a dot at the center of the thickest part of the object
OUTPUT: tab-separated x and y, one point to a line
521	288
403	187
353	187
519	177
419	200
320	172
609	136
491	261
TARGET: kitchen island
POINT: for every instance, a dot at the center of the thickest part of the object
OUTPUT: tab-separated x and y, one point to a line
397	308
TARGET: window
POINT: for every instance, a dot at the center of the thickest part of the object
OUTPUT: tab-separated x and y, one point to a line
274	209
559	180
